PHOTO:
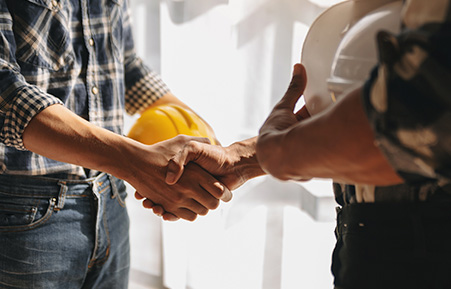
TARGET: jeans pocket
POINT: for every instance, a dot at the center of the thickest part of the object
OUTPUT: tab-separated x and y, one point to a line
21	214
42	30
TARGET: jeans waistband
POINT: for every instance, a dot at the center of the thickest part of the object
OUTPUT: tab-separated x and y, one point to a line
372	213
47	187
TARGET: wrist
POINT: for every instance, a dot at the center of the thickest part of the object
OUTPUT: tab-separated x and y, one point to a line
125	158
244	159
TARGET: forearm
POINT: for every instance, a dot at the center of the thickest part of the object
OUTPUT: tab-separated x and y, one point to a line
337	144
59	134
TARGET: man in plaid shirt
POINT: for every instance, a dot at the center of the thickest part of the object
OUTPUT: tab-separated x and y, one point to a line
68	71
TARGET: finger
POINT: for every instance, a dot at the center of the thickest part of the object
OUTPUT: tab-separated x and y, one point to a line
185	214
205	140
303	113
170	217
148	204
176	164
218	190
158	210
138	196
227	196
175	170
207	197
200	139
210	189
296	87
214	188
180	213
197	208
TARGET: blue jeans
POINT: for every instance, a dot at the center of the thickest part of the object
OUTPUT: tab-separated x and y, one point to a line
67	234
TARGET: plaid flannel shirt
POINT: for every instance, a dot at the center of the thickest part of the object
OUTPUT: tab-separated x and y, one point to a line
408	103
78	53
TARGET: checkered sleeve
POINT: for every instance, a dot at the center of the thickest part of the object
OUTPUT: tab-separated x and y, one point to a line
408	98
143	87
20	103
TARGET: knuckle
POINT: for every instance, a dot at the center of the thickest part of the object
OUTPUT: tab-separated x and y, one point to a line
177	197
192	145
180	137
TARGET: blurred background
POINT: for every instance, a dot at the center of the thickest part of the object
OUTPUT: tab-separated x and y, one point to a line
231	61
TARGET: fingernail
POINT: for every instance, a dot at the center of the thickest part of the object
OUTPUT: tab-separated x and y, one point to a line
227	195
170	177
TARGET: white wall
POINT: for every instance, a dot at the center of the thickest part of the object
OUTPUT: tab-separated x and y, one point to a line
231	61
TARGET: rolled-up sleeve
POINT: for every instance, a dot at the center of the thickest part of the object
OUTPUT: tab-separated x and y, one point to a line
142	85
19	101
408	96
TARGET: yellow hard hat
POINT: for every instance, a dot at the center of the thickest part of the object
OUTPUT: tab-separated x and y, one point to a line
166	121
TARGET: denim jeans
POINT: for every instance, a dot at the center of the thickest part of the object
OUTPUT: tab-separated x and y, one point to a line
57	233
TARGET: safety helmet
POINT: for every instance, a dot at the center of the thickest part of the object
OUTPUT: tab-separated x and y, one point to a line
166	121
340	48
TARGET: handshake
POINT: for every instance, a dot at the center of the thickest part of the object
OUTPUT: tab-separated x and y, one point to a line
197	176
191	176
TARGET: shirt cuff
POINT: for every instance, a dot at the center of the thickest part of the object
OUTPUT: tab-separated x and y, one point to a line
28	102
144	92
142	86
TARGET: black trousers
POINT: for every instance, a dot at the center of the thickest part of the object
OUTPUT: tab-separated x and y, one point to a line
402	245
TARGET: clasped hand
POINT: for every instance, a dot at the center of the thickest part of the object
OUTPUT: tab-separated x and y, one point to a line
195	193
194	160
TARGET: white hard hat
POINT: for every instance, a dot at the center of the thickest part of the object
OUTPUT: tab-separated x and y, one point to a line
340	48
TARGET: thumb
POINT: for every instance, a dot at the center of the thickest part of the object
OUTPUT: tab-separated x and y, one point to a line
297	85
302	113
177	164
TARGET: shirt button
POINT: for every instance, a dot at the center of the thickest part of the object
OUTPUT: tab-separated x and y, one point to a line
91	41
95	90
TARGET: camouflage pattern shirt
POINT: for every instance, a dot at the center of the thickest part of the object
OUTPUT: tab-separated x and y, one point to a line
408	102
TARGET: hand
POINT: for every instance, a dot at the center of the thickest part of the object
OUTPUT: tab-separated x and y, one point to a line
281	118
282	115
294	146
196	193
215	159
232	165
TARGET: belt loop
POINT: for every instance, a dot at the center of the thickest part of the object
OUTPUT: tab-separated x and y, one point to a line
114	191
339	213
61	196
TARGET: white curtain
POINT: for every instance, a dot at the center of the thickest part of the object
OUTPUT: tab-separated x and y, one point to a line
231	61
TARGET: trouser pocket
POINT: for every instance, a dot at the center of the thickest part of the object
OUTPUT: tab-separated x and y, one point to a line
24	213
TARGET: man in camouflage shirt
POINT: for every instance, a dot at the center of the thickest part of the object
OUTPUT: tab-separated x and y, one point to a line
387	145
